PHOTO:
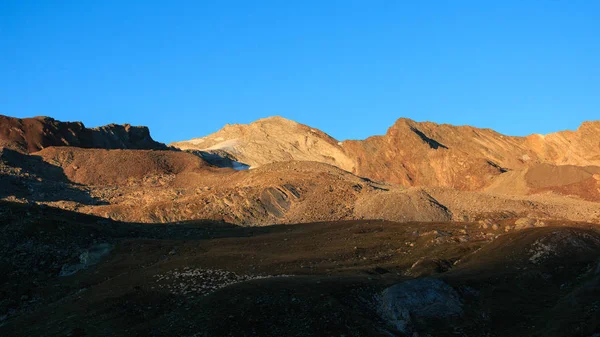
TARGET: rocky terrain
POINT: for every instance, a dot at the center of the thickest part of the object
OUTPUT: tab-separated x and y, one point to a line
465	157
419	154
34	134
64	273
277	229
270	140
170	186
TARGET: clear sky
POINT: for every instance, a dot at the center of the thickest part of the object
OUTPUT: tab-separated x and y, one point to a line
350	68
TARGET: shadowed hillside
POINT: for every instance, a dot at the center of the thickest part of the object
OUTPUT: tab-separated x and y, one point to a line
64	273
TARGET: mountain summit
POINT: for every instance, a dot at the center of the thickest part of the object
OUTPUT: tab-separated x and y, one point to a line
270	140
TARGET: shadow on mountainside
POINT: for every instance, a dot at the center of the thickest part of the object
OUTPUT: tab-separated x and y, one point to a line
431	142
30	177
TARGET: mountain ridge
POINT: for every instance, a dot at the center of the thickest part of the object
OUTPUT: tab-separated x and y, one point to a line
33	134
409	152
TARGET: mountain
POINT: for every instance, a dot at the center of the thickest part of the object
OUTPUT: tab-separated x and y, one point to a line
415	172
464	157
168	186
270	140
172	186
428	230
413	153
33	134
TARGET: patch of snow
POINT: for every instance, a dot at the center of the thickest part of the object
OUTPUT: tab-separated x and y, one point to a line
236	165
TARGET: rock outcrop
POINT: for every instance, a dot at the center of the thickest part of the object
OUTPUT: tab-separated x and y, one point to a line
33	134
413	304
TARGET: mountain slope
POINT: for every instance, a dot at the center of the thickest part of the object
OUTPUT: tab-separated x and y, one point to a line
464	157
271	140
575	181
171	186
168	186
410	153
34	134
320	279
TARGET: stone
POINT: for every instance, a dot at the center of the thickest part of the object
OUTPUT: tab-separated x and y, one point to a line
412	303
523	223
485	223
87	258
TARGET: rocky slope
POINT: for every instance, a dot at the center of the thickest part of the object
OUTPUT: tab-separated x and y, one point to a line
64	273
171	186
410	153
491	236
581	182
163	243
464	157
34	134
437	173
270	140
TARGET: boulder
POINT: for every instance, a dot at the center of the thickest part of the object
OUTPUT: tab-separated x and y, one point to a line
523	223
87	258
414	303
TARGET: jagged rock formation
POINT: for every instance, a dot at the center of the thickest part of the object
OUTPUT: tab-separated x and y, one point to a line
33	134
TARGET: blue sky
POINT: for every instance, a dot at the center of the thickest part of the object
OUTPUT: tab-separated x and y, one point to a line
350	68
